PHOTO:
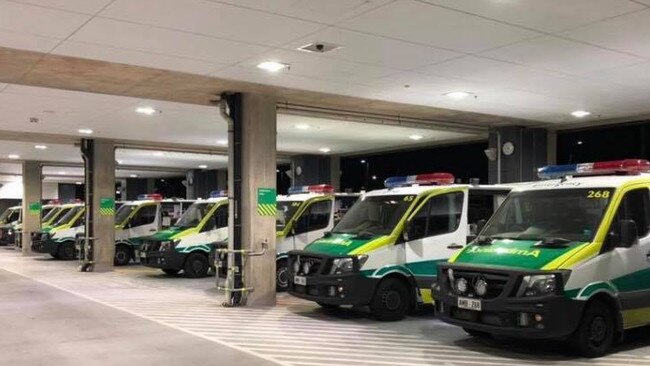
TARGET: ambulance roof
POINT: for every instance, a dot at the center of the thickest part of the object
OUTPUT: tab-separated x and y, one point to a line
417	189
301	196
597	181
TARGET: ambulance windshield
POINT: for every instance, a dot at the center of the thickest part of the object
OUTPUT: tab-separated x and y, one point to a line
123	213
286	210
374	215
556	215
10	215
69	215
194	215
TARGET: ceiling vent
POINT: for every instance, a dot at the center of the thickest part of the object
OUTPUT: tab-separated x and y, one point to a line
319	47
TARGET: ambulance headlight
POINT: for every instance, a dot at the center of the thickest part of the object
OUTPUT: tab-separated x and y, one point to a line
538	285
167	246
296	265
461	285
346	265
306	267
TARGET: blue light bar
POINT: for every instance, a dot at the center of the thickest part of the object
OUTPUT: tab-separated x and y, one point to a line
627	166
430	178
218	194
317	188
150	196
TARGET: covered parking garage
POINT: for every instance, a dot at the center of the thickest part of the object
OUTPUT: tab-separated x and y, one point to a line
103	101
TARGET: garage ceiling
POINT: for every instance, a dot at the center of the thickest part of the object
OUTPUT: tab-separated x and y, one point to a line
536	60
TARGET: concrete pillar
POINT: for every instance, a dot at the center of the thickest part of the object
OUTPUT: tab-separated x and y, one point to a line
103	189
522	151
315	169
32	193
258	170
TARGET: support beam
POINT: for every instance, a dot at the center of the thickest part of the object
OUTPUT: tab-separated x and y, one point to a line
251	173
516	153
311	169
32	192
99	157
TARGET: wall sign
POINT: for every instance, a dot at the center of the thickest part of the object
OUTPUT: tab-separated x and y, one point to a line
35	208
107	206
266	201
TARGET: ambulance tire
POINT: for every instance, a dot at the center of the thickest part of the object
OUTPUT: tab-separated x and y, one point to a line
171	272
597	330
196	265
281	276
66	251
476	333
122	255
392	300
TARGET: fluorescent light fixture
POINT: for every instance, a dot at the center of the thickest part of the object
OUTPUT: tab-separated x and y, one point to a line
580	114
457	95
133	175
14	156
85	131
40	147
78	183
363	161
325	149
272	66
158	153
146	110
203	166
302	126
222	142
416	137
61	172
119	162
579	142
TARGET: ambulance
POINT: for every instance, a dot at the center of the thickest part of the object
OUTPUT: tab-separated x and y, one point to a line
49	213
10	221
302	216
384	252
190	243
58	239
135	220
565	258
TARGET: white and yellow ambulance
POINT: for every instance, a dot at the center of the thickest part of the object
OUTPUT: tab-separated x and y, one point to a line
384	252
58	240
303	215
190	243
564	258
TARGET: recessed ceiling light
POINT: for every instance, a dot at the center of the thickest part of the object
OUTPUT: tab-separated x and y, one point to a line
78	183
363	161
40	147
203	166
579	142
324	149
580	114
61	172
146	110
416	137
457	95
374	177
302	126
158	153
85	131
133	175
14	156
222	142
272	66
119	161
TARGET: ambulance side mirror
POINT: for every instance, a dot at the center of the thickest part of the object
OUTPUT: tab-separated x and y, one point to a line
629	234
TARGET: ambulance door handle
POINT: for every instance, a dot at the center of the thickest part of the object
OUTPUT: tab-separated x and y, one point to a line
454	246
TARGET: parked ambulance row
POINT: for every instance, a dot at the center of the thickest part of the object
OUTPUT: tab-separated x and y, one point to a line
567	257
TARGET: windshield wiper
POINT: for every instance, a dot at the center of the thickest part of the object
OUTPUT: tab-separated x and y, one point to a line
553	242
483	240
364	235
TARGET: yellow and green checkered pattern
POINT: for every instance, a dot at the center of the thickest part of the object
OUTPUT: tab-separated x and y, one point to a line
107	211
266	209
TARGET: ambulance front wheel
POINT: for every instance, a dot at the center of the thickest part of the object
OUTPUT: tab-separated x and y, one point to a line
122	255
66	251
196	265
281	275
596	331
392	300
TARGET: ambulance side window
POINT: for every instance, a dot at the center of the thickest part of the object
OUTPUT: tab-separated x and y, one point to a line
315	217
146	215
218	219
440	215
634	206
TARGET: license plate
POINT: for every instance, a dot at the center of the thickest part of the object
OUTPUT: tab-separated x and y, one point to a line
300	280
469	304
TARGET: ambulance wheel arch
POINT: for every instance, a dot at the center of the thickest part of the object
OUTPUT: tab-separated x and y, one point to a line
281	273
600	326
196	264
395	295
66	250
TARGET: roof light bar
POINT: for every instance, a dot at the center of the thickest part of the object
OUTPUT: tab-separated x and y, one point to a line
318	188
218	194
429	178
627	166
150	196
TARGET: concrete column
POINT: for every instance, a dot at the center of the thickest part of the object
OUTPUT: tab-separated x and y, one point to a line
315	169
258	171
529	151
32	193
103	188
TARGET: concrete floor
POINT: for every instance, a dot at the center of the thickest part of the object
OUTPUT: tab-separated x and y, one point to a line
52	315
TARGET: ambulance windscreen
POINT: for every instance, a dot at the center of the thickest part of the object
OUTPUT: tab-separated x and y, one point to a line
374	215
285	212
